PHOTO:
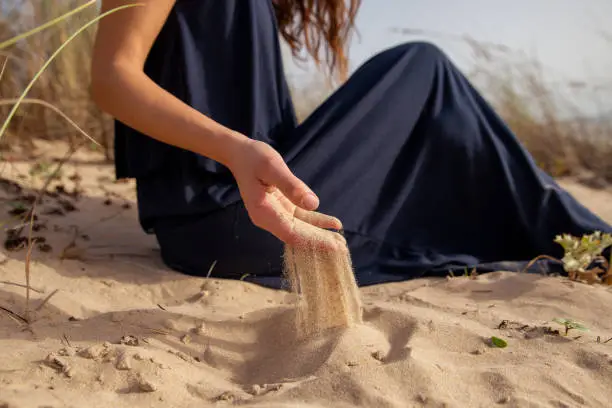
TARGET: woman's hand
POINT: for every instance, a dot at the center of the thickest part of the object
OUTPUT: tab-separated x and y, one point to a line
275	198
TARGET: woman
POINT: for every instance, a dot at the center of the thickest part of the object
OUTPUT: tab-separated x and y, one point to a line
423	174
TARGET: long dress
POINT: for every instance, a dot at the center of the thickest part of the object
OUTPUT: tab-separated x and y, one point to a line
424	175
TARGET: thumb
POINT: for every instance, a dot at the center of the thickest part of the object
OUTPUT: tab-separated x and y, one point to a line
281	177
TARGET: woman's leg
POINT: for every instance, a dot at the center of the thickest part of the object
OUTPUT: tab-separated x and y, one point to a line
424	174
222	244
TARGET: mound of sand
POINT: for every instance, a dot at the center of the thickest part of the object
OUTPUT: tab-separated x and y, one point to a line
120	330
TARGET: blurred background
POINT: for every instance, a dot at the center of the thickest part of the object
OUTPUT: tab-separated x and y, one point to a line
544	64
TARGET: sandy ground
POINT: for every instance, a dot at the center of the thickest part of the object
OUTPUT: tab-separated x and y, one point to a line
120	330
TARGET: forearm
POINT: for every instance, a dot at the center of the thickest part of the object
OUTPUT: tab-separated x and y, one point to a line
134	99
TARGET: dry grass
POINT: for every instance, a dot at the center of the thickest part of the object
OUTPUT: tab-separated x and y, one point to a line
562	138
65	84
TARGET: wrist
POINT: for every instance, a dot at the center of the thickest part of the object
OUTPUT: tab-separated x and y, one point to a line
233	144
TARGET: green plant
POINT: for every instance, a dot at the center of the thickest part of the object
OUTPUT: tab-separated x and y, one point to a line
582	252
581	255
570	325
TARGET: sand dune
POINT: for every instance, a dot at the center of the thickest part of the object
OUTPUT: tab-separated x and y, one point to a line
123	331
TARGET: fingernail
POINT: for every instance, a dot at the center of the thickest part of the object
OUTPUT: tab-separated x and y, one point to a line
339	225
310	202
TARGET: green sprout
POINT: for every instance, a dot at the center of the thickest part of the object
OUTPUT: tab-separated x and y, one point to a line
570	325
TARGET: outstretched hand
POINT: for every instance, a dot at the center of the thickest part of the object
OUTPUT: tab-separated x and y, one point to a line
276	199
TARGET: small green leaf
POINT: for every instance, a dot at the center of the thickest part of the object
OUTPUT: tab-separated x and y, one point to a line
499	343
570	324
578	326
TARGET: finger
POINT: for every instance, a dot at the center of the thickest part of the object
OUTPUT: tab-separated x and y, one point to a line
318	219
320	240
278	174
271	215
296	232
306	224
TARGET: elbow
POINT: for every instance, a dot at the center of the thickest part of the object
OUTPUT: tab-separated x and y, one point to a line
105	87
100	89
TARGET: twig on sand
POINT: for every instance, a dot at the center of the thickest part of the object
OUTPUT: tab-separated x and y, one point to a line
21	286
539	258
15	316
28	260
45	300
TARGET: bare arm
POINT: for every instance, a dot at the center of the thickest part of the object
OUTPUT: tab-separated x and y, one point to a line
272	194
121	88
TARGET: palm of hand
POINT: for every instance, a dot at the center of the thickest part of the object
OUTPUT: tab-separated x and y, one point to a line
295	225
275	199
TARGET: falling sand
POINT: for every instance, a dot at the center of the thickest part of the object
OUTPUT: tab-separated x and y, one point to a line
320	270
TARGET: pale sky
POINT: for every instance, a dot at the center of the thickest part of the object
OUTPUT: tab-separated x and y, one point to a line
565	35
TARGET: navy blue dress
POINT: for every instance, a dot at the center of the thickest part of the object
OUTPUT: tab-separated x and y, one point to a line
424	175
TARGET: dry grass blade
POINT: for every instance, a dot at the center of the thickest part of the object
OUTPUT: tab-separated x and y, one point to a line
15	316
28	261
43	27
539	258
54	109
45	300
608	277
21	286
4	64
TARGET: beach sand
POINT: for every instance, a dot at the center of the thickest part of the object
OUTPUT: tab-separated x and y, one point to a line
121	330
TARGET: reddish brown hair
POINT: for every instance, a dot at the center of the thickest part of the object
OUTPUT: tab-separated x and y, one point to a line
319	25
